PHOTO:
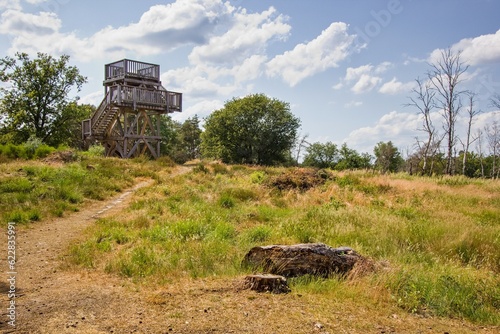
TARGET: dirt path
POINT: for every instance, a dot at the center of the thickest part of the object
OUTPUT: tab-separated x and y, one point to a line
50	300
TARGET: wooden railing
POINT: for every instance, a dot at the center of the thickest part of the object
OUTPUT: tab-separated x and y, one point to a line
133	68
137	96
100	110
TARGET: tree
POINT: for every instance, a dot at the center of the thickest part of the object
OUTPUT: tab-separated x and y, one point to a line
351	159
388	157
423	100
445	77
471	113
169	135
254	129
322	155
35	102
188	140
493	137
67	129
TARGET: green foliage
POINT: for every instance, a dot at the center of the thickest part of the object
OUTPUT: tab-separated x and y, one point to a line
36	101
96	150
181	141
251	130
322	155
450	292
388	157
258	177
351	159
32	149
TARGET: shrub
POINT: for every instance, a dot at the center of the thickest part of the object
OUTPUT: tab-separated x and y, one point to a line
96	151
43	151
297	178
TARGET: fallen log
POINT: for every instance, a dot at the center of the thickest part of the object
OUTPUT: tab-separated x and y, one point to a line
266	283
315	259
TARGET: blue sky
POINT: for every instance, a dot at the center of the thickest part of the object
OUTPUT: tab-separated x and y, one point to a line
346	67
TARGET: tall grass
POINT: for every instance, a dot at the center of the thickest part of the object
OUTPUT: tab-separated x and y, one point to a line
33	190
441	241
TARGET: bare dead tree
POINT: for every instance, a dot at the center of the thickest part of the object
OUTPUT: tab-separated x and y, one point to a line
445	77
471	114
423	100
493	137
479	148
300	143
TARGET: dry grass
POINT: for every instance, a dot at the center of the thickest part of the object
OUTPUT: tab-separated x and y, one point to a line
429	239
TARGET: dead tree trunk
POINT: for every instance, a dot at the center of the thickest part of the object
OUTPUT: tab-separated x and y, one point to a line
302	259
267	283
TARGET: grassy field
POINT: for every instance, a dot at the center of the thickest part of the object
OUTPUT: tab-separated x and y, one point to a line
436	240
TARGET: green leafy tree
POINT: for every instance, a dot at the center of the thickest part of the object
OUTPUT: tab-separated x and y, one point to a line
351	159
255	130
322	155
68	127
388	157
190	138
169	133
181	141
35	102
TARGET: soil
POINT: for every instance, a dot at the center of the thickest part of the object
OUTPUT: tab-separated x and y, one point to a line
50	298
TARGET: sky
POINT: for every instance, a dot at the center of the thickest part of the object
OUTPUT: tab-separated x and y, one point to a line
346	67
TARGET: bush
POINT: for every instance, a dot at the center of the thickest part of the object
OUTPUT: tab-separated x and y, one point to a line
43	151
96	150
297	178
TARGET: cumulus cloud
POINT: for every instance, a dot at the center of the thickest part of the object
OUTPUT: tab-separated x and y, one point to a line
15	22
160	29
400	128
332	46
10	4
364	78
248	34
365	83
395	87
484	49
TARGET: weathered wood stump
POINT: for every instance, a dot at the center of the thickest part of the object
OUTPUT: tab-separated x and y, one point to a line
266	283
302	259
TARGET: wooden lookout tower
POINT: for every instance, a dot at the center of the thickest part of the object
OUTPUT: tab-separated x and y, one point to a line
127	122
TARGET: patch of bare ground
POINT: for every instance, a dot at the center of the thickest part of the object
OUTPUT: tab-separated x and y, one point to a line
51	299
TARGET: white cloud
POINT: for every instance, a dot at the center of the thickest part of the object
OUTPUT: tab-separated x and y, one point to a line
400	128
395	87
248	35
364	78
338	86
10	4
355	73
326	51
15	22
383	67
479	50
93	98
160	29
365	84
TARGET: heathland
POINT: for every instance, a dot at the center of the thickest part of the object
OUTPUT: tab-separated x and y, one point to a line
435	241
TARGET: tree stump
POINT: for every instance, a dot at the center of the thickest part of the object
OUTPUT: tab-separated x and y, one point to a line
266	283
302	259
